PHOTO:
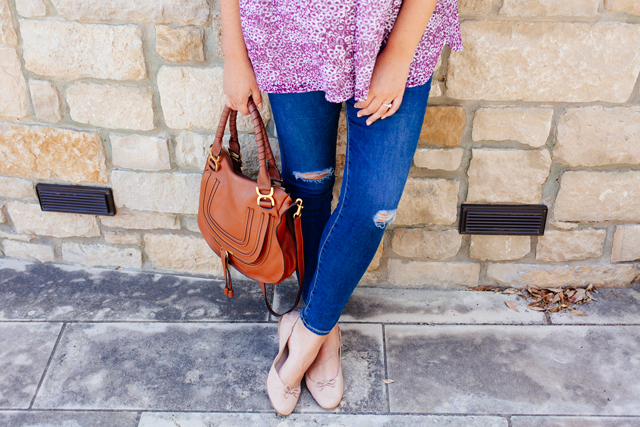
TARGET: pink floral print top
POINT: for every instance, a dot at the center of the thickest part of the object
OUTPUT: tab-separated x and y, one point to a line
332	45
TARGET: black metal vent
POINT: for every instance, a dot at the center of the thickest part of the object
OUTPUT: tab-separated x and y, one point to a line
76	199
528	220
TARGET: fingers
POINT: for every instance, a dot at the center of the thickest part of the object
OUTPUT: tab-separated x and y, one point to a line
257	96
395	105
370	106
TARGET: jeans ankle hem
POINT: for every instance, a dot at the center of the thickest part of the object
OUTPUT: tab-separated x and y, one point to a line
312	329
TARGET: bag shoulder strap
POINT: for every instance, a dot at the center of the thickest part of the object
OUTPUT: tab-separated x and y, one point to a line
299	269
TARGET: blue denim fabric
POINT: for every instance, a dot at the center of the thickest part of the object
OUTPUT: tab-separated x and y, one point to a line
339	247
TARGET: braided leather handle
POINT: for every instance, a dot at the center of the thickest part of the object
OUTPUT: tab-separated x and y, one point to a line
261	139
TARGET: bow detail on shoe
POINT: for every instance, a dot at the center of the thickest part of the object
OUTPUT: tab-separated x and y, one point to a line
295	392
321	385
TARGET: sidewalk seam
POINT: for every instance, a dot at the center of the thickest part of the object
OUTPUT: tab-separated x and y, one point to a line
46	368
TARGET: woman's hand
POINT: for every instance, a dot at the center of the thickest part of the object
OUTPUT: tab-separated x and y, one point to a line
238	80
387	86
391	70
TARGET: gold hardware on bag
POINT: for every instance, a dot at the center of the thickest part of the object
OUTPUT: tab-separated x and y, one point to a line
299	204
216	160
265	196
237	157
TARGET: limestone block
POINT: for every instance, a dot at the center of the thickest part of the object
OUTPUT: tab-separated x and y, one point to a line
30	251
31	8
140	152
626	243
551	276
443	125
499	248
3	218
418	274
46	100
518	8
565	225
29	219
419	243
157	192
102	255
122	238
15	188
598	196
447	160
428	201
631	7
506	60
598	136
141	221
182	253
52	153
8	34
191	223
529	126
180	44
561	246
111	106
72	50
192	149
194	12
13	102
375	262
13	236
192	98
480	7
507	176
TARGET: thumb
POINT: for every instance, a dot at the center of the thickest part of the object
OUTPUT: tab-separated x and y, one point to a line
257	96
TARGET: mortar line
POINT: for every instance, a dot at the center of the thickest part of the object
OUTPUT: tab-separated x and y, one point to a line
269	322
46	368
386	369
270	411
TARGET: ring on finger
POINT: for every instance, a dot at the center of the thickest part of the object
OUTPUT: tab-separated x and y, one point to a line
389	105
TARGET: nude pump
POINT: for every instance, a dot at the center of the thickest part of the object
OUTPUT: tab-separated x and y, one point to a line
283	398
328	393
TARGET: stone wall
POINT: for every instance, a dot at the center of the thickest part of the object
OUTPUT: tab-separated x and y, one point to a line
543	106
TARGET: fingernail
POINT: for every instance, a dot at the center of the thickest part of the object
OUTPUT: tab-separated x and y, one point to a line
368	123
359	114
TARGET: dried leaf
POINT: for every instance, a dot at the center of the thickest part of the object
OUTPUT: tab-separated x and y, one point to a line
590	287
556	290
481	288
512	305
554	309
580	294
537	308
577	313
388	381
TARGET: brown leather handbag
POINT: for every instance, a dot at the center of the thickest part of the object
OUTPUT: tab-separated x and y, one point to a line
253	226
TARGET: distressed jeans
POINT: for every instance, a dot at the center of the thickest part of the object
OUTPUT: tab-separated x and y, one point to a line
339	246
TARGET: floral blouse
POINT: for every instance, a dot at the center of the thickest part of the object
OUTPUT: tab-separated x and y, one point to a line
332	45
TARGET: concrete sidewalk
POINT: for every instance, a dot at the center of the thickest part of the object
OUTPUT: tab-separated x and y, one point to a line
95	347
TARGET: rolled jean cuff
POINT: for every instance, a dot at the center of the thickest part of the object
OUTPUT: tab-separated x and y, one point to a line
312	329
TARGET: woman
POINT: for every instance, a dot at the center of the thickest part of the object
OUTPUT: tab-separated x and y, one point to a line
310	56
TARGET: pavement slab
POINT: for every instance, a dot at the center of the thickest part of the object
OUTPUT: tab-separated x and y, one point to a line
570	370
34	291
68	419
614	306
541	421
150	419
25	350
393	305
363	372
161	366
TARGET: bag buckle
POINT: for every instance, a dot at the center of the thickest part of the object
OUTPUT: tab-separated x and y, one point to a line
215	159
299	204
265	196
237	157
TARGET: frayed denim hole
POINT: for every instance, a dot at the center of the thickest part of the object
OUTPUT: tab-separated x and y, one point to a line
382	218
315	176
